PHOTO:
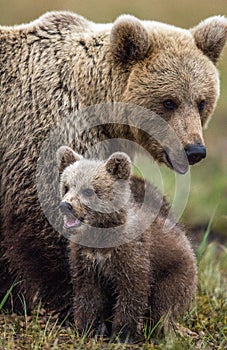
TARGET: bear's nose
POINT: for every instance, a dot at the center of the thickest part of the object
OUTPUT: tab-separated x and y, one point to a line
65	207
195	152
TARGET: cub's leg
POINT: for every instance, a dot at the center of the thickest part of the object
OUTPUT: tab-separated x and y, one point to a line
87	294
175	280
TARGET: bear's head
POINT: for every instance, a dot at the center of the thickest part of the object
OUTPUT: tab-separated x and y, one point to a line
93	192
172	72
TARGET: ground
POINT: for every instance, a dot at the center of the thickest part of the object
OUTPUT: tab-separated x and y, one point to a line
203	328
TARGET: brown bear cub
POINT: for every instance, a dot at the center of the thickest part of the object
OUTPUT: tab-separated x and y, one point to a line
124	267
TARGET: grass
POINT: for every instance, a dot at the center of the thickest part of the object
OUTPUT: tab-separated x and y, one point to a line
3	301
205	327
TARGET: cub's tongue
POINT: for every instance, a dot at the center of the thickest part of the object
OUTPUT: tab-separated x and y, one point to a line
71	221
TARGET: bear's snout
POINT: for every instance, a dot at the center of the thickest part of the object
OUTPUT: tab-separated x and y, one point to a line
65	207
195	152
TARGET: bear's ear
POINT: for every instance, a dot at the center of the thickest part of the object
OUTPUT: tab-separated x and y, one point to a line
65	157
210	36
129	40
119	165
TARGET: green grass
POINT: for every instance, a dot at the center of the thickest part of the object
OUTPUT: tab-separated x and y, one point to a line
3	301
205	327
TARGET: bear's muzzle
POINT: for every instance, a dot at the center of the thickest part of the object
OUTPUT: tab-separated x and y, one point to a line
195	153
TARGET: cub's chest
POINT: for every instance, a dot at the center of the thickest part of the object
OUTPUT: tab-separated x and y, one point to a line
98	261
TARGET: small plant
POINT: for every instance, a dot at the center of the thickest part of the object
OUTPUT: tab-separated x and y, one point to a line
203	245
6	296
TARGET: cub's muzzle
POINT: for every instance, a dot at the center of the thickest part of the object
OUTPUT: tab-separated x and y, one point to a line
65	207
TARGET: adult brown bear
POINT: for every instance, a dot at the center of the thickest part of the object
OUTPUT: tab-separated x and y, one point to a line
60	63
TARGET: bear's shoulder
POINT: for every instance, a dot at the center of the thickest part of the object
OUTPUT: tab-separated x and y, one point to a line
54	21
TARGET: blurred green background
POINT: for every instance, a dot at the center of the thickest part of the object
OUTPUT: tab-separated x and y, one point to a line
208	178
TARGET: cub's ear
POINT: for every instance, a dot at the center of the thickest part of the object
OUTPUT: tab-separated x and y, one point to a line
65	157
129	39
119	165
210	36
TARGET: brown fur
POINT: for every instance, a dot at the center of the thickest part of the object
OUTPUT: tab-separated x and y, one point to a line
58	64
152	275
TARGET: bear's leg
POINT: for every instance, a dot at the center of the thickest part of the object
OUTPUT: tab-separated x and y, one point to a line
6	281
38	259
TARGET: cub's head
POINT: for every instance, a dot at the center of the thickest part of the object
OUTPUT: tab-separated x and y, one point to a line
93	192
172	72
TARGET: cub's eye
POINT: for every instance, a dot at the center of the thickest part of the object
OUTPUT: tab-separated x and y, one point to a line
65	189
88	192
201	105
170	105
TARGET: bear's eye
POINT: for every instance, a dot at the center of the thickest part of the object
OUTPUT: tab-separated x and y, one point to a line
170	105
201	105
88	192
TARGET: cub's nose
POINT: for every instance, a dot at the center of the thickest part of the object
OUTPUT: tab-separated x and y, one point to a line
195	153
65	207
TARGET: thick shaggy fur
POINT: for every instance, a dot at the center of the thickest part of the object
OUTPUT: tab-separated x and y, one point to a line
150	275
58	64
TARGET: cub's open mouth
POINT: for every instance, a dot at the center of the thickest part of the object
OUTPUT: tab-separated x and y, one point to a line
70	221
